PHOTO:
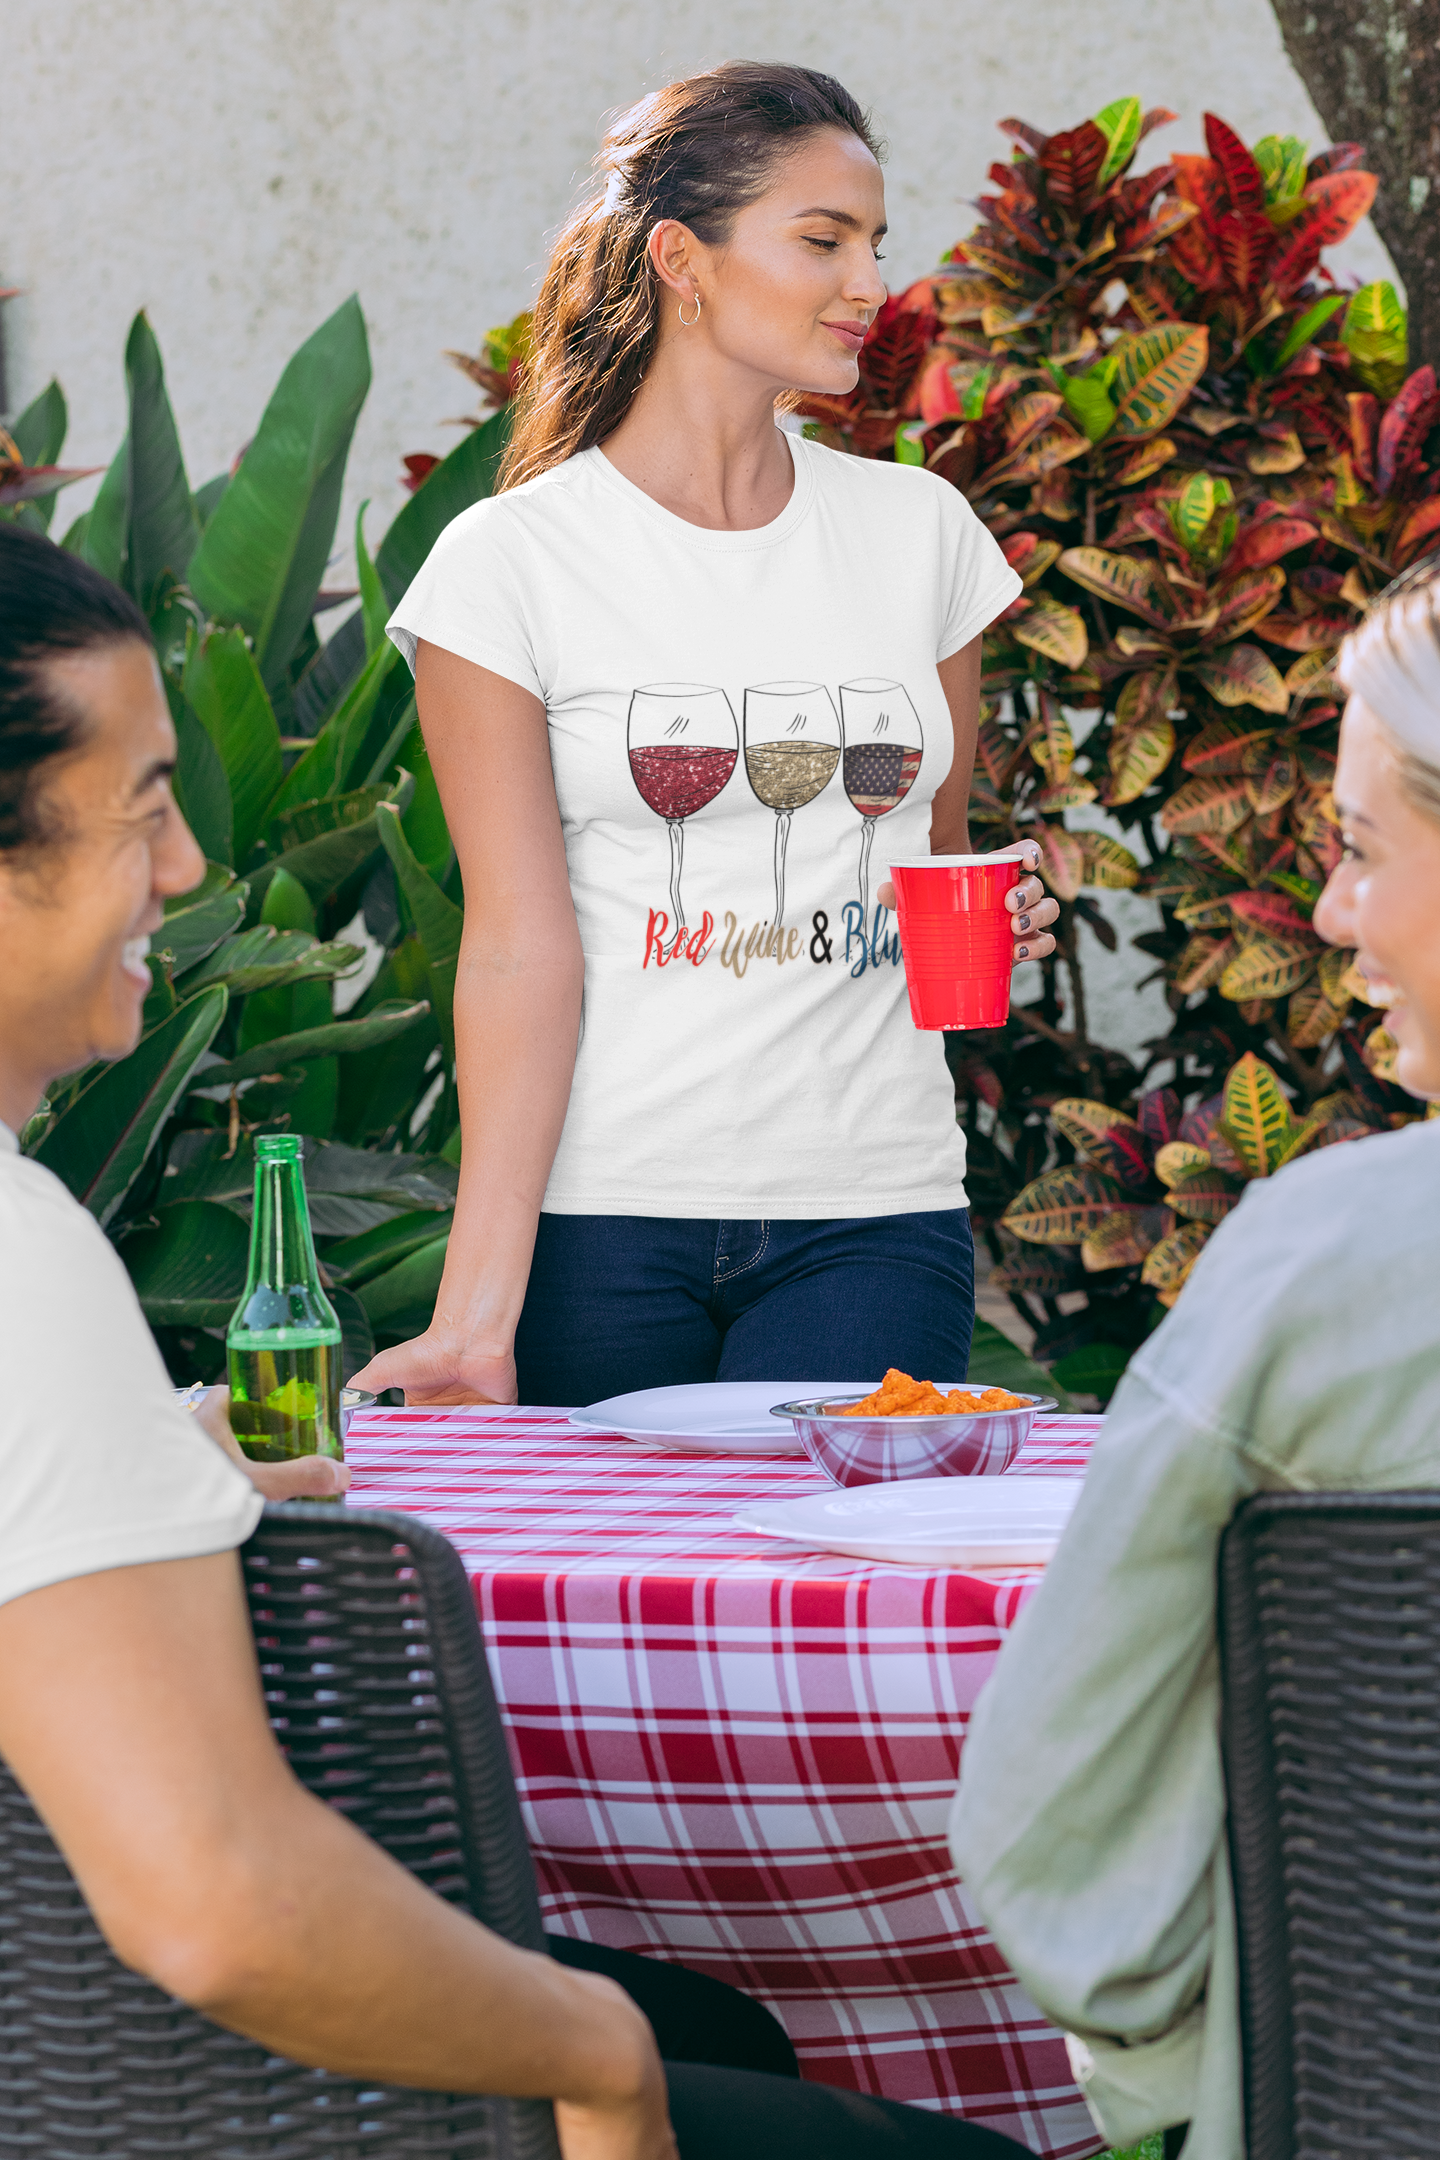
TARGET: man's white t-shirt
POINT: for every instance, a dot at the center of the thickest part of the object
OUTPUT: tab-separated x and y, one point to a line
745	729
99	1465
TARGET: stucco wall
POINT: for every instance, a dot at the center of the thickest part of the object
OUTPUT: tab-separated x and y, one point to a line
237	170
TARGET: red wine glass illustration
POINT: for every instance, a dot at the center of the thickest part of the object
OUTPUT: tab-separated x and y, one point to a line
792	747
883	749
683	745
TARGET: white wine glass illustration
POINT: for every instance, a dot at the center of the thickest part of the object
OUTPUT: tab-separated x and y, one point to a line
683	745
792	747
883	748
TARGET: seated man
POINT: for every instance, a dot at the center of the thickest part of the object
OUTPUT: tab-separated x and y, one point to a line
1304	1354
130	1703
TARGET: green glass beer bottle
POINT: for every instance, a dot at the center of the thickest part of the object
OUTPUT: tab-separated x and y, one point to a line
283	1341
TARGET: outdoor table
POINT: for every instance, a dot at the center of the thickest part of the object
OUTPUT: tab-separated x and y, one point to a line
741	1755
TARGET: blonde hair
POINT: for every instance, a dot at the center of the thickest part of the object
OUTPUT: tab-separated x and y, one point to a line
1392	664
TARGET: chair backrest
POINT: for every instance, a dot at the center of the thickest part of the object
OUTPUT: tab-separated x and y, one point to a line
1330	1650
379	1694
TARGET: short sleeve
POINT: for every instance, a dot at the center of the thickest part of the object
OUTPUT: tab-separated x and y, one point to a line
979	583
469	597
99	1465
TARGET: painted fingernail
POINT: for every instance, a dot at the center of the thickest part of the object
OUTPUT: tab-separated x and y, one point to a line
1023	923
1022	952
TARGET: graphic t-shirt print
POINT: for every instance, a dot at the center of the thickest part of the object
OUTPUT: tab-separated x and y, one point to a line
683	745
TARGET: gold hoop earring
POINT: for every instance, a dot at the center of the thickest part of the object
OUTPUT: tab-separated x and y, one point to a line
680	311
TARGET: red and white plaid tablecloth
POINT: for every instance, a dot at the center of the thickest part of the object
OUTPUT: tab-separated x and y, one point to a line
741	1755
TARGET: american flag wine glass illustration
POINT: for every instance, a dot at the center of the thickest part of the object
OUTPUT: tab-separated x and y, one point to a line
792	747
683	745
883	749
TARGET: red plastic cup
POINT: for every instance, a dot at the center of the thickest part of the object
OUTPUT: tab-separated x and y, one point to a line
958	938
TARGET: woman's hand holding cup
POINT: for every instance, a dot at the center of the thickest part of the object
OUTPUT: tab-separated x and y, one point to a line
1026	901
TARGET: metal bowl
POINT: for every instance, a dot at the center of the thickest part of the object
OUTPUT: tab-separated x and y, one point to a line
868	1450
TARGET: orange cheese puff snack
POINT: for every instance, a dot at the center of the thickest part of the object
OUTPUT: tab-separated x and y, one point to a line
900	1396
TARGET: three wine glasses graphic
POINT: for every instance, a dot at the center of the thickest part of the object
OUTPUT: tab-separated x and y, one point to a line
684	745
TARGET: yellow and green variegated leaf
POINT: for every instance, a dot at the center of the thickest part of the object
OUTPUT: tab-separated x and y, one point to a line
1121	1241
1120	124
1309	672
1179	1159
1203	911
1155	373
1272	772
1046	1268
1191	511
1332	1119
1108	865
1335	965
1244	676
1380	1053
1267	967
1203	962
1169	1262
1064	866
1278	454
1107	1139
1254	595
1142	696
1053	629
1038	561
1356	984
1122	578
1376	336
1221	745
1203	805
1138	757
1310	1018
1053	748
1141	463
1255	1115
1071	794
1026	416
1063	1206
1141	644
1205	1196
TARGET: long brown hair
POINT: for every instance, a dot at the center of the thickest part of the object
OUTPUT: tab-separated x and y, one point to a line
698	152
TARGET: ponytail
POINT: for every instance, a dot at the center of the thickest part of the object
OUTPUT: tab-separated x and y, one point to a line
696	152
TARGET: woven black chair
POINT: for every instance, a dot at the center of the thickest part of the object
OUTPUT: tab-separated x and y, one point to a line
379	1694
1330	1647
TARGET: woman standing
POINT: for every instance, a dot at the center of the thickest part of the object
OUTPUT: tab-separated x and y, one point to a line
676	680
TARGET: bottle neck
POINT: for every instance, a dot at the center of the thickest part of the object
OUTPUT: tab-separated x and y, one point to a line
282	1283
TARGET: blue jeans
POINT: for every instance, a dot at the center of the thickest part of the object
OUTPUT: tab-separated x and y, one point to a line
617	1302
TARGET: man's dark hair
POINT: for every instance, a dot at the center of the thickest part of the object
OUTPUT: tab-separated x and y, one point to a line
51	604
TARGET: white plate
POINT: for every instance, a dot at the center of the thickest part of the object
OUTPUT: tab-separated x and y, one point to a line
932	1522
712	1417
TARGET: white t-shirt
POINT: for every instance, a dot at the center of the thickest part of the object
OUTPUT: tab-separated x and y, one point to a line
728	710
99	1465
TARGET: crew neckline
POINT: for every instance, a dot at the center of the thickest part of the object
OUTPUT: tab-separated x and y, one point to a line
9	1141
707	537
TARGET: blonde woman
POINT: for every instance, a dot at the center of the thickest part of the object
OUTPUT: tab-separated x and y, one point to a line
1304	1354
679	679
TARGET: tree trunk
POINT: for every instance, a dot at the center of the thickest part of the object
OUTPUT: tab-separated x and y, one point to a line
1372	68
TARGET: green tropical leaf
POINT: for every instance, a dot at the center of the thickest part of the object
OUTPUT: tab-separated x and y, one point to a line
1192	510
203	922
202	788
101	539
1120	124
1304	327
39	435
1088	400
1156	371
322	844
1267	967
1095	1370
222	686
1168	1263
267	959
189	1269
207	498
995	1361
467	476
438	920
1377	337
1063	1206
402	1300
262	555
98	1145
379	1093
328	766
163	529
1255	1114
374	607
1204	1195
334	1038
358	1260
1180	1159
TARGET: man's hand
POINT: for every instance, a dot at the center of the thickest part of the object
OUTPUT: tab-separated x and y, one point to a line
308	1477
637	2125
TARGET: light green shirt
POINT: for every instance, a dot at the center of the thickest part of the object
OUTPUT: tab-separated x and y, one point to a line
1304	1355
